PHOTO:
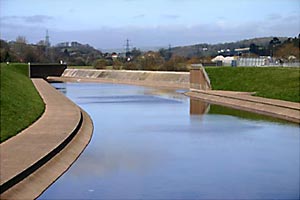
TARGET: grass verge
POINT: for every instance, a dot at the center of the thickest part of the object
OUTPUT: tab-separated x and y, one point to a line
20	103
270	82
81	67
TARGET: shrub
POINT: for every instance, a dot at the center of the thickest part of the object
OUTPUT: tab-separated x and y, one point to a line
117	64
100	64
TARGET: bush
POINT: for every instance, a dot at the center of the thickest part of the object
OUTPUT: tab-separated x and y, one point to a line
117	64
79	62
150	61
176	63
131	66
100	64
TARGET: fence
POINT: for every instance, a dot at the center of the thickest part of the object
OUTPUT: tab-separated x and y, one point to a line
263	62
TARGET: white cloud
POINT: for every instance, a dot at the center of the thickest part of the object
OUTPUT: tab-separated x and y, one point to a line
27	19
108	37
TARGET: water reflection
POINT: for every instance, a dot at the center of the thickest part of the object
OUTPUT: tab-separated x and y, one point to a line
126	99
161	150
60	87
198	107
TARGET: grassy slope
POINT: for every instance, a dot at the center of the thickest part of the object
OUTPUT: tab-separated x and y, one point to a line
21	104
81	67
270	82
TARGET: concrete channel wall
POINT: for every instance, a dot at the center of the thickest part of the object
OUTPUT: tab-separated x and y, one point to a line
147	78
33	159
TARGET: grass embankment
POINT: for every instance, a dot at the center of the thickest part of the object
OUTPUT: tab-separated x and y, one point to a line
81	67
270	82
88	67
21	104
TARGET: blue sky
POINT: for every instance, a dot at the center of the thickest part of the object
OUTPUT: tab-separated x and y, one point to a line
107	23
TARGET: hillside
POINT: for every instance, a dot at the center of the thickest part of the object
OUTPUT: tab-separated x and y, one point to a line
72	53
197	49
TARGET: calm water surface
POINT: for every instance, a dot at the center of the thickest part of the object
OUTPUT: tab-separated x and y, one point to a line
147	145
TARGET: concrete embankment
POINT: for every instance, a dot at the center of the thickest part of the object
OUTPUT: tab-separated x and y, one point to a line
200	88
145	78
36	157
244	101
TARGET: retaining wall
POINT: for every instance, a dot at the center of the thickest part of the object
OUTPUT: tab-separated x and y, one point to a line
148	78
178	77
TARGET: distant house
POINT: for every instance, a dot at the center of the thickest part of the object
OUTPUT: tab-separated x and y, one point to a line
114	55
75	44
228	60
223	61
63	44
240	51
218	58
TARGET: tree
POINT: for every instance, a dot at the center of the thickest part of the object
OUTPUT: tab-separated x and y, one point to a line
272	44
165	53
30	55
287	50
117	64
135	52
21	39
100	64
176	63
150	61
79	61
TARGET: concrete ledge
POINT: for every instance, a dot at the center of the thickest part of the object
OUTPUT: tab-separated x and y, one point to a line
275	108
32	149
247	97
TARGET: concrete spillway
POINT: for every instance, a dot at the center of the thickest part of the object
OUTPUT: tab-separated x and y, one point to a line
154	78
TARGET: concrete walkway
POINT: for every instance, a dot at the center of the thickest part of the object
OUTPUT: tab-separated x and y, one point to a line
242	100
33	148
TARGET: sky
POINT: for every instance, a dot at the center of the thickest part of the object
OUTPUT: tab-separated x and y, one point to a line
106	24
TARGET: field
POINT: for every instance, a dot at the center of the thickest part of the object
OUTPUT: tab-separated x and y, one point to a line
20	104
270	82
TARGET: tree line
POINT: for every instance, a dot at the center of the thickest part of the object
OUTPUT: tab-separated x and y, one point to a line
164	59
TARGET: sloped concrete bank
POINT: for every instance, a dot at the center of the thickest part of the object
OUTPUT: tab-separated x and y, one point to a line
198	83
32	160
145	78
286	110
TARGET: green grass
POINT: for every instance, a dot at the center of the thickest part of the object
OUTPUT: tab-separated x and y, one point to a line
270	82
81	67
20	104
87	67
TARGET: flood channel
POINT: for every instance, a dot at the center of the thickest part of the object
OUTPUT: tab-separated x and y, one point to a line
158	144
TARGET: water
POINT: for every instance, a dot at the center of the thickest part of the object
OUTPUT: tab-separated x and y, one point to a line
155	144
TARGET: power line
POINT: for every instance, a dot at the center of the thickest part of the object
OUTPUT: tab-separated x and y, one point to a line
127	46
